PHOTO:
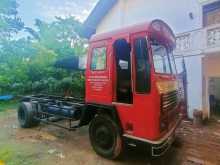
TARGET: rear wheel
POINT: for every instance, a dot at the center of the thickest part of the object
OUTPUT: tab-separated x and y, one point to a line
105	137
26	115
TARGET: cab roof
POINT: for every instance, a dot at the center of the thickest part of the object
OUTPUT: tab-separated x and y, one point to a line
156	29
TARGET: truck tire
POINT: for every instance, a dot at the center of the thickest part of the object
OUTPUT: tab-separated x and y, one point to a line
26	115
105	137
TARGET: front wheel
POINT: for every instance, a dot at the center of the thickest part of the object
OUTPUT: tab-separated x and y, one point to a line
105	137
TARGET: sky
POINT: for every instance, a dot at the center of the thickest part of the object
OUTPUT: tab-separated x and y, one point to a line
175	14
46	10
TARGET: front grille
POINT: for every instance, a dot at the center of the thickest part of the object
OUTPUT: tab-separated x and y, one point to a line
169	101
169	113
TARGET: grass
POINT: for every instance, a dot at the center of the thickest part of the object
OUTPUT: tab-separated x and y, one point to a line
13	152
7	105
17	154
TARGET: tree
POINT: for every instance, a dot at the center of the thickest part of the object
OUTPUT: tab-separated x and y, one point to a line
62	36
26	64
9	22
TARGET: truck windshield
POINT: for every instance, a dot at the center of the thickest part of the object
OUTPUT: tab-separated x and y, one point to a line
173	63
161	59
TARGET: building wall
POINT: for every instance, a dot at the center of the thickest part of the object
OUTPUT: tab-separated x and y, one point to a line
112	20
194	80
194	77
174	12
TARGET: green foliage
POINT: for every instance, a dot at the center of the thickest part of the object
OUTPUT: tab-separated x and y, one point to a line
9	22
7	105
26	64
12	153
59	35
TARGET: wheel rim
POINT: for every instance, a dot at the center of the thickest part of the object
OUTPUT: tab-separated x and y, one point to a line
104	138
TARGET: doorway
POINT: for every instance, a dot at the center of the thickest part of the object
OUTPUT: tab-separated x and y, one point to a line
214	96
211	85
122	50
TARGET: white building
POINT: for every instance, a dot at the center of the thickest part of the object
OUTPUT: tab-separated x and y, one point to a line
195	23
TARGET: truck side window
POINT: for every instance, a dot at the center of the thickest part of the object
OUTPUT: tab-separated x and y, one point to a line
98	59
142	65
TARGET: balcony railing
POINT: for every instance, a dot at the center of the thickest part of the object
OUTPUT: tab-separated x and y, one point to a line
205	40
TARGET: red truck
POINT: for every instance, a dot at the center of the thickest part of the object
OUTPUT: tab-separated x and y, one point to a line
132	94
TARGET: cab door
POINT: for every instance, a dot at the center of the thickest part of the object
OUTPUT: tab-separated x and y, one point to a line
139	118
98	74
144	100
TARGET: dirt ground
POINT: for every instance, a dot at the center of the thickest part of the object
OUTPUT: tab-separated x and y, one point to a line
49	145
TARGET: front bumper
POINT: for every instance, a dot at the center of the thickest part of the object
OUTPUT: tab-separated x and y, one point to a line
162	148
159	147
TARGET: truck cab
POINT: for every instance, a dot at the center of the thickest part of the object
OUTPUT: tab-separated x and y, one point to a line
133	70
